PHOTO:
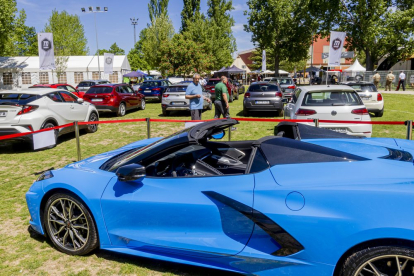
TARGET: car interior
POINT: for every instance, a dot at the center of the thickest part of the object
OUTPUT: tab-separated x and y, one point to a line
208	159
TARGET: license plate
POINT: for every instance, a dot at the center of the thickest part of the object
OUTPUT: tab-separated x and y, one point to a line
366	98
97	100
262	102
177	103
338	129
147	91
3	113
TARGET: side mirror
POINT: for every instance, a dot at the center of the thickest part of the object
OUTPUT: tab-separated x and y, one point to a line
284	100
131	172
80	100
218	135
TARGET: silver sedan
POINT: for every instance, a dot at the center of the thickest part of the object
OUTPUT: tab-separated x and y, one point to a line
263	96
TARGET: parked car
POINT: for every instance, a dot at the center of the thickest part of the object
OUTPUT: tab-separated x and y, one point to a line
38	108
175	79
287	85
174	99
332	102
370	96
117	98
86	84
301	204
231	89
65	86
238	87
263	97
153	89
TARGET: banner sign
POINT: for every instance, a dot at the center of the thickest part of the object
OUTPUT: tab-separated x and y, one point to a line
343	55
108	63
46	51
335	48
264	61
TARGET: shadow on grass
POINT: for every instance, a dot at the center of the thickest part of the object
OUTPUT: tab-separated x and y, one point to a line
260	114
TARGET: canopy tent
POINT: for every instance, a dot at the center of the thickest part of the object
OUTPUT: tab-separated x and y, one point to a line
310	69
222	68
135	74
239	63
356	67
233	69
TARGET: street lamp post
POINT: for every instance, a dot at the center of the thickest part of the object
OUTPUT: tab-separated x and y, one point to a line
134	22
97	9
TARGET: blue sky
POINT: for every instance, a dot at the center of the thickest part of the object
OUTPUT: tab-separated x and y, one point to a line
115	25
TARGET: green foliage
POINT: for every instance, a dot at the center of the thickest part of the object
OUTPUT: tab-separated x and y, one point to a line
284	27
136	60
190	11
114	49
183	56
68	33
7	15
24	39
157	8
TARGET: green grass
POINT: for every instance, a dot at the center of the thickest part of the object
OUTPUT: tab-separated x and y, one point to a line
20	254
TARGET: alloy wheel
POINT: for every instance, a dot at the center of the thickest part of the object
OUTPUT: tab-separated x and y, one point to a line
393	264
92	118
142	104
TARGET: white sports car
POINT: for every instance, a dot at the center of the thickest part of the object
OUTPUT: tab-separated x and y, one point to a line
38	108
330	102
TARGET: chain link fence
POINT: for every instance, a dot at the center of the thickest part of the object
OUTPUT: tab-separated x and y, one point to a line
409	77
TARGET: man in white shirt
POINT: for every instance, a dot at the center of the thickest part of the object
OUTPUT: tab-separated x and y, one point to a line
401	81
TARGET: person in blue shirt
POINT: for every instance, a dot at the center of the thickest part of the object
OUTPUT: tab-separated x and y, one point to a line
194	93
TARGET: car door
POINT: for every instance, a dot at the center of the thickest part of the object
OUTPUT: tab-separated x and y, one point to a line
290	107
124	95
133	98
78	111
58	106
191	216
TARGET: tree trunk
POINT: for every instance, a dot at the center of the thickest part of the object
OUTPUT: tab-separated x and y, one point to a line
277	62
369	62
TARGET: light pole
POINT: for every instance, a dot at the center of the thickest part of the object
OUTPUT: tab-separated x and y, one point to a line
97	9
134	21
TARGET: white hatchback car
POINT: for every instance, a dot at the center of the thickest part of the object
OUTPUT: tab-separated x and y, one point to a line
332	102
38	108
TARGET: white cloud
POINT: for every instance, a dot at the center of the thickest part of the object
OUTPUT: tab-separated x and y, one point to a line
240	7
26	3
237	27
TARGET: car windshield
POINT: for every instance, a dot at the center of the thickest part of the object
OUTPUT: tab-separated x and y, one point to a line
86	84
99	90
285	81
151	83
329	98
177	88
213	82
263	87
364	87
17	98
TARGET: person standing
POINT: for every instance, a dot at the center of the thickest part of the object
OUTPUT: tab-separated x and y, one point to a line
388	82
194	93
222	99
401	81
376	78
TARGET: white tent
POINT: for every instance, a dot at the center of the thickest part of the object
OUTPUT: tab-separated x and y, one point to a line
356	67
239	63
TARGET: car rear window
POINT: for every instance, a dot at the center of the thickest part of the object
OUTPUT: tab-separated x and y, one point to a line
99	90
328	98
103	82
177	89
364	87
151	83
213	82
285	81
86	84
21	99
263	87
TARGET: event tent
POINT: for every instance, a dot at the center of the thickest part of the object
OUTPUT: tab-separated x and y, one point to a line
356	67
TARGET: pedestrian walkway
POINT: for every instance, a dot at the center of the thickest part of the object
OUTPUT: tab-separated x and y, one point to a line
407	92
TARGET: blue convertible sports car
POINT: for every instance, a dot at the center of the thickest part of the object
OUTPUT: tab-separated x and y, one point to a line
306	201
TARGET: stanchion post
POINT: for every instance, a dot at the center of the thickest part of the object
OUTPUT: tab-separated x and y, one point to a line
229	133
77	140
148	127
316	121
409	125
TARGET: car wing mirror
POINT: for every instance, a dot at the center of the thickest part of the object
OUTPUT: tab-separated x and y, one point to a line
284	100
131	172
218	135
80	100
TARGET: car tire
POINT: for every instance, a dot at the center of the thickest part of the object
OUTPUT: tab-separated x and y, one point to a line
245	113
50	124
121	110
279	113
142	105
92	128
165	112
70	225
379	113
384	258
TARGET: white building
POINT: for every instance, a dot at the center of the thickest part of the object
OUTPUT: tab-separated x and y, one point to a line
22	72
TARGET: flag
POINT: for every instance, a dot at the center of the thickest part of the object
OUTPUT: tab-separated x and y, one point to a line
335	48
108	63
46	51
264	61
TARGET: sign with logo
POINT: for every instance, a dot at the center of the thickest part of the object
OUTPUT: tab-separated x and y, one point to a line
46	52
412	78
108	63
335	48
343	55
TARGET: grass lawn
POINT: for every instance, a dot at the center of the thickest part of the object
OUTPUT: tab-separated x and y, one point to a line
20	254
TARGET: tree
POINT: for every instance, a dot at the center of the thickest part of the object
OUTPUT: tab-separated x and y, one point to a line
24	39
157	8
136	60
114	49
283	26
190	10
221	22
7	15
68	33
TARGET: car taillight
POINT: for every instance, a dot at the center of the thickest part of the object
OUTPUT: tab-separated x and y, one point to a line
291	87
76	87
379	97
27	109
305	112
247	95
279	94
165	95
157	89
360	111
141	89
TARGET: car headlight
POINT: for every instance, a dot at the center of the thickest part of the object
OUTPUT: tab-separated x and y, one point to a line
45	175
